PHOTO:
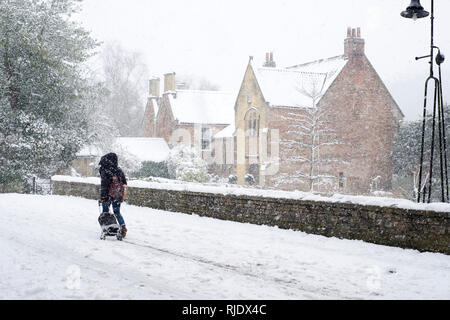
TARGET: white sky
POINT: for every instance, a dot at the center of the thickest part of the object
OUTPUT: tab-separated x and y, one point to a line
214	38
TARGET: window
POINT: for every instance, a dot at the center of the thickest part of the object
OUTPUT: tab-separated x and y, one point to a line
252	123
206	138
224	151
341	180
252	120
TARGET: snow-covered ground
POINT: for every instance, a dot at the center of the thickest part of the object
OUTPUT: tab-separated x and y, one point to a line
50	249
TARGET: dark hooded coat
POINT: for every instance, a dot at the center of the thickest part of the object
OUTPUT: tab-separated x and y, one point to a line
108	169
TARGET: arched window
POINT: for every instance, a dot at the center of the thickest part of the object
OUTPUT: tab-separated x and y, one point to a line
252	120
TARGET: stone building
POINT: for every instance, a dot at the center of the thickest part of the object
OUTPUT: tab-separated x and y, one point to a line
191	117
323	126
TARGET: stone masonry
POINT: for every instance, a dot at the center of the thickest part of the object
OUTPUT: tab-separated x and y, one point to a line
360	113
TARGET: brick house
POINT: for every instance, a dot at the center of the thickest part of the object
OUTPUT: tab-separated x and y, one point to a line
191	117
323	126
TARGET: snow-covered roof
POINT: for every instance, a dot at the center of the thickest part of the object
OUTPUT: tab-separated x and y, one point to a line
201	106
293	86
89	151
145	149
328	65
228	132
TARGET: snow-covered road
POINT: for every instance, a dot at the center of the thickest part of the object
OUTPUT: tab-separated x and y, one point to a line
50	249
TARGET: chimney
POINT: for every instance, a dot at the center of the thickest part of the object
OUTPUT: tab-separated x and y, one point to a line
269	61
354	44
169	82
154	87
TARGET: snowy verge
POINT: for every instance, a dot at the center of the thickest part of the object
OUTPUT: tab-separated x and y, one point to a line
265	193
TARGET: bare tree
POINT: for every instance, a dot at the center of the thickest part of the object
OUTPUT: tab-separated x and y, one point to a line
125	76
193	82
307	136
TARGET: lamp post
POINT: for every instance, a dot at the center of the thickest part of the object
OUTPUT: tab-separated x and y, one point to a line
416	11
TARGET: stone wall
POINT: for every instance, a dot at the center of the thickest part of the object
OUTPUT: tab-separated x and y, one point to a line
415	229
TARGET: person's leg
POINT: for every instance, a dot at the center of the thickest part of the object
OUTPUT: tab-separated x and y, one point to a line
106	205
116	210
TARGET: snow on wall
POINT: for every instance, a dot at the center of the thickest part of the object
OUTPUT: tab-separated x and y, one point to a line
265	193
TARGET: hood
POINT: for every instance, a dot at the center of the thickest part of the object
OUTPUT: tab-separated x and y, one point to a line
109	160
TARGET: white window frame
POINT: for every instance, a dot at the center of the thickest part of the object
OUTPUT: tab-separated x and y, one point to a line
208	140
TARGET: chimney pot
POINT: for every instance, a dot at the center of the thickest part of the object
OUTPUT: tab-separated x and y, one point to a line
169	82
354	45
269	61
154	87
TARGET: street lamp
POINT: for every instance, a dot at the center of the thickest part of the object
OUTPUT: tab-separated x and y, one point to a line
416	11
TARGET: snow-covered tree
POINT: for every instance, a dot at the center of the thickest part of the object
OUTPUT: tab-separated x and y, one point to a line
308	133
43	91
406	157
100	127
185	164
193	82
128	162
